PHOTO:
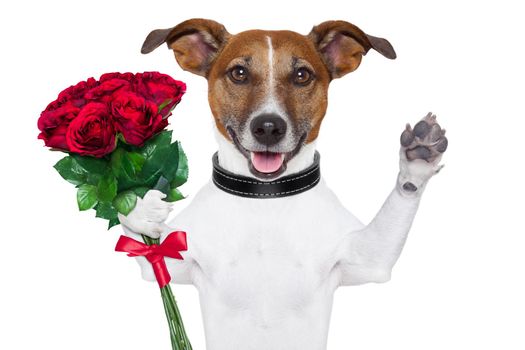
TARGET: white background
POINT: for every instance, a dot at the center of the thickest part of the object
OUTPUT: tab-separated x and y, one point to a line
459	283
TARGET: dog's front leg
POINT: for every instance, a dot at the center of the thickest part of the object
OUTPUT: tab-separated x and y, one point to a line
148	218
368	255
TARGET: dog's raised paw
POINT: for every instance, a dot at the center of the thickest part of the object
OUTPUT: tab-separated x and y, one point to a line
425	141
420	154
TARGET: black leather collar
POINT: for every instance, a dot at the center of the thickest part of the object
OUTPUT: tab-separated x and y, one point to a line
244	186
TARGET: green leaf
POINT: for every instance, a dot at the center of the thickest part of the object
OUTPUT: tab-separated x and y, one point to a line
129	167
107	188
116	161
164	104
126	167
86	197
125	183
137	160
171	163
92	165
71	171
155	152
162	139
163	162
181	175
125	202
113	222
153	166
106	210
93	179
151	180
141	191
174	195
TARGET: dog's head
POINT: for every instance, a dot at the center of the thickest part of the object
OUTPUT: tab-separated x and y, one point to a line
268	89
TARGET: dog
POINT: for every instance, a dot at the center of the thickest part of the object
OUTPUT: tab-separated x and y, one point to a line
268	241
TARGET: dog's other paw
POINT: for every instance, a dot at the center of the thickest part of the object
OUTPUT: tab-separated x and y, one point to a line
426	141
421	150
148	216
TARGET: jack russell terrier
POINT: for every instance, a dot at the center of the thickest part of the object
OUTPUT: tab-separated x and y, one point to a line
268	241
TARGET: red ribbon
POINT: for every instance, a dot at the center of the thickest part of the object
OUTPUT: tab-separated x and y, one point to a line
155	253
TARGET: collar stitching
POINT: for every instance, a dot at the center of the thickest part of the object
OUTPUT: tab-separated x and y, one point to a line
268	182
269	194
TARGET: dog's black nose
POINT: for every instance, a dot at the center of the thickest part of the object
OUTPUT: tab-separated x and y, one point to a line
268	129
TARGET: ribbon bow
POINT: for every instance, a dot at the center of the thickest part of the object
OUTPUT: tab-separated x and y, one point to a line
155	253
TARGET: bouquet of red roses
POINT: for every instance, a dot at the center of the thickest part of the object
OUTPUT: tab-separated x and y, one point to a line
113	130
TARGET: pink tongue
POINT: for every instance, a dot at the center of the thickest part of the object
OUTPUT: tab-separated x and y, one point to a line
267	162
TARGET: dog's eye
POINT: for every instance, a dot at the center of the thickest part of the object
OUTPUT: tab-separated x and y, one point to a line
302	76
238	74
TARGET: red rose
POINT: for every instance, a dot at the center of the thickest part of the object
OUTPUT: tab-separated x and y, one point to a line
76	94
53	124
85	117
160	88
55	119
104	92
92	132
136	118
129	77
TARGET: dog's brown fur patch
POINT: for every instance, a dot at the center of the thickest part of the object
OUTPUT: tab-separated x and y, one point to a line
304	104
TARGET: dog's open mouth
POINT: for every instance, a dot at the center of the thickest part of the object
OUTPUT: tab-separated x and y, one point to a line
266	164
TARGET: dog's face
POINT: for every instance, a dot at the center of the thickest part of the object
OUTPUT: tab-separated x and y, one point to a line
268	89
267	92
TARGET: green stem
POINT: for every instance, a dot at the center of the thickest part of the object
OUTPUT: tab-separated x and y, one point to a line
178	336
175	344
178	318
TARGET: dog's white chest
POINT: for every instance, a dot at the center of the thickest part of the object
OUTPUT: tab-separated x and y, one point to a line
264	264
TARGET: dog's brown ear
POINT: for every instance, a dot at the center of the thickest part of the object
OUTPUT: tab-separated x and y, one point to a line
195	43
342	46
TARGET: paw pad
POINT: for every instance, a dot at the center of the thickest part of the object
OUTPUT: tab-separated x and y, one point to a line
409	187
426	141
